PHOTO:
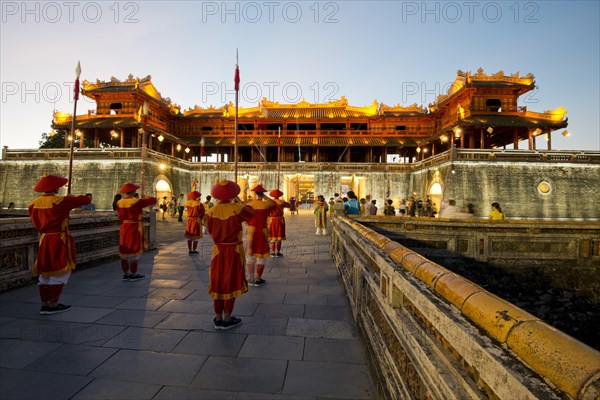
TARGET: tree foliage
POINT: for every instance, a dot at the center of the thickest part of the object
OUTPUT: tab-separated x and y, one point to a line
57	141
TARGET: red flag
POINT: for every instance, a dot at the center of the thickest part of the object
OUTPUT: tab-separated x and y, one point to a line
236	78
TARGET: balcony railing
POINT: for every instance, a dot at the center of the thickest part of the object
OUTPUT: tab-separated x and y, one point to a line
471	155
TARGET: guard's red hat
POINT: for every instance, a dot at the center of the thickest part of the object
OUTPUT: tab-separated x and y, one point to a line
128	187
194	194
276	193
49	183
258	189
225	190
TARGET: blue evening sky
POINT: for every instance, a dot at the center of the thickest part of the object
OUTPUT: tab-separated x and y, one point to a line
391	51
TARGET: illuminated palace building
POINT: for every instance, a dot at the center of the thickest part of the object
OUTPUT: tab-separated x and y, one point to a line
480	111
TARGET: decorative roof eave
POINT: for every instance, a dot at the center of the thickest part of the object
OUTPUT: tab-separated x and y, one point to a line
509	121
273	110
132	84
504	121
210	111
399	110
464	79
85	122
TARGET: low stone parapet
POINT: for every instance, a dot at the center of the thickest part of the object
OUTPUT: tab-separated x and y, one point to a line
96	236
433	334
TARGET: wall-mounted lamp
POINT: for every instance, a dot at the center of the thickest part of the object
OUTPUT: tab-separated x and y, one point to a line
178	147
161	138
418	149
490	130
457	132
187	149
566	133
537	131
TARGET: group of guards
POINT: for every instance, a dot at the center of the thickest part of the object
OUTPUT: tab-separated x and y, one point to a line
228	277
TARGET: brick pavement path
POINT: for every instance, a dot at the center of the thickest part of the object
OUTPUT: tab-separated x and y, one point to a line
154	339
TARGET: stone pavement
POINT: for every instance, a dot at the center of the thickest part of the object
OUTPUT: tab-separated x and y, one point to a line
154	338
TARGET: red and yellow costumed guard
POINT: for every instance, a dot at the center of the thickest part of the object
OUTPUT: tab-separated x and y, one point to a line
258	234
227	276
321	209
277	222
193	226
132	238
56	251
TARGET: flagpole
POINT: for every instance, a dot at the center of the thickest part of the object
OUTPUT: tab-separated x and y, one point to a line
145	113
201	154
75	98
278	155
236	81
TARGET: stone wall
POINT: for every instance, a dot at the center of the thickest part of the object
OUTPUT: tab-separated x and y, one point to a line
572	189
531	185
102	178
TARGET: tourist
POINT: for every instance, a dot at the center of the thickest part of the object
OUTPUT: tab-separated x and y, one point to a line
402	208
11	206
277	223
115	200
451	211
496	214
227	277
372	207
164	205
180	207
90	206
173	207
352	206
364	211
468	211
389	209
412	207
436	211
292	205
193	226
258	244
338	206
208	204
321	209
56	249
132	240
